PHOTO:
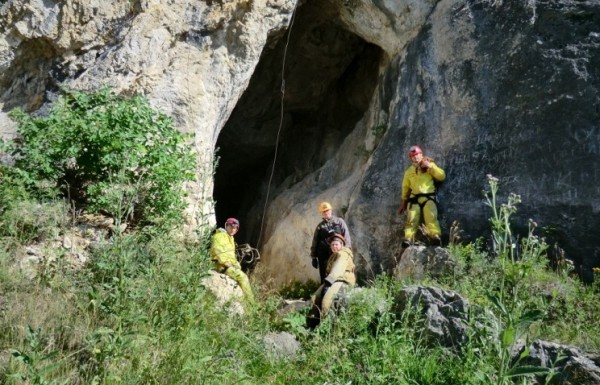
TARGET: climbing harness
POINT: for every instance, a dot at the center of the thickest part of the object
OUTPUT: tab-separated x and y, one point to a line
415	199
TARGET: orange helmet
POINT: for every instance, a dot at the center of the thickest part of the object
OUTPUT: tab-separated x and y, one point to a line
324	206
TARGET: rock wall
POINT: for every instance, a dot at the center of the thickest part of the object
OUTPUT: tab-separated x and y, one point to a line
502	88
508	88
192	59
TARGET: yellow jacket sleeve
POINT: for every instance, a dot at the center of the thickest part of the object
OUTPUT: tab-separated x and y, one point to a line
436	172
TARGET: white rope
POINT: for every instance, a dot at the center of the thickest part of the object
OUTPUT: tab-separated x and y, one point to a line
287	43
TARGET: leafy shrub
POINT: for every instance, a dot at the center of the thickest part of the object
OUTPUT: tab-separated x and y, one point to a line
113	154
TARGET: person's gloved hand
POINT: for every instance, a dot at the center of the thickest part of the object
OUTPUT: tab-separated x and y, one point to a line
315	263
326	286
425	164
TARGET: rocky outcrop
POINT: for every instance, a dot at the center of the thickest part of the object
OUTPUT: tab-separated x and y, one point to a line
444	314
192	59
502	88
226	291
417	262
343	88
571	365
59	245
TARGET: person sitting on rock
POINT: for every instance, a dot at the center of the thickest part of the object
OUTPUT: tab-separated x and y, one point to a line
222	253
340	276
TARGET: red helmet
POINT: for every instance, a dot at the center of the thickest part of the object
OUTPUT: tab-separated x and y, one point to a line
414	150
337	236
233	222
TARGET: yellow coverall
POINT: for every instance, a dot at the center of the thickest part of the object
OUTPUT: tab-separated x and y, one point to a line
418	181
222	253
340	273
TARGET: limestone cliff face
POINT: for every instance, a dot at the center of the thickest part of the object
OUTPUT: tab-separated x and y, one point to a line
502	88
505	88
508	88
192	59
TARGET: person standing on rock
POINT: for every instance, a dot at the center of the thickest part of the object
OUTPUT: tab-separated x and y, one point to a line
340	276
320	250
419	197
222	253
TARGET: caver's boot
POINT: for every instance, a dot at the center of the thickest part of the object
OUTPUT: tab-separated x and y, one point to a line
313	318
436	241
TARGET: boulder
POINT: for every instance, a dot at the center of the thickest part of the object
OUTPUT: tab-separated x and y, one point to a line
572	365
281	345
226	291
444	314
290	306
420	261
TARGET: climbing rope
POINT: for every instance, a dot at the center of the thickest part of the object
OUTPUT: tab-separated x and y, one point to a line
287	43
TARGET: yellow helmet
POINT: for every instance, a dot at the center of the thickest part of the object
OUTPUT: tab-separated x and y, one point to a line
324	206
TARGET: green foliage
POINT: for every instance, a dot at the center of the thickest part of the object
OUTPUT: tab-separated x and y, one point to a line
21	216
299	289
114	154
379	130
28	220
502	235
37	364
138	314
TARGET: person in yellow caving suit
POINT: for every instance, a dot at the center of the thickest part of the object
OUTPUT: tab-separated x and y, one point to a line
340	276
418	196
222	253
320	249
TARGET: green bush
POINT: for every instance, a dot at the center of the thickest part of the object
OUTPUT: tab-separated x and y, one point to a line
112	154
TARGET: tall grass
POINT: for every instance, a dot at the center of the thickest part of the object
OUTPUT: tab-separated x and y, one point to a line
137	314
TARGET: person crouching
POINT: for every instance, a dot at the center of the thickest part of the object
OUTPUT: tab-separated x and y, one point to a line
340	275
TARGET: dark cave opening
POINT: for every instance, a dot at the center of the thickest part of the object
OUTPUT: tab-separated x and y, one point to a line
330	75
28	79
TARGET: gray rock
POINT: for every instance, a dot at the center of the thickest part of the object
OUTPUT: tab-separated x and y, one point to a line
370	298
573	368
292	306
444	313
420	261
281	345
29	265
226	291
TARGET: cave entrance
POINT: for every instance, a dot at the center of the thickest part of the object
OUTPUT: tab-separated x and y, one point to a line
330	76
